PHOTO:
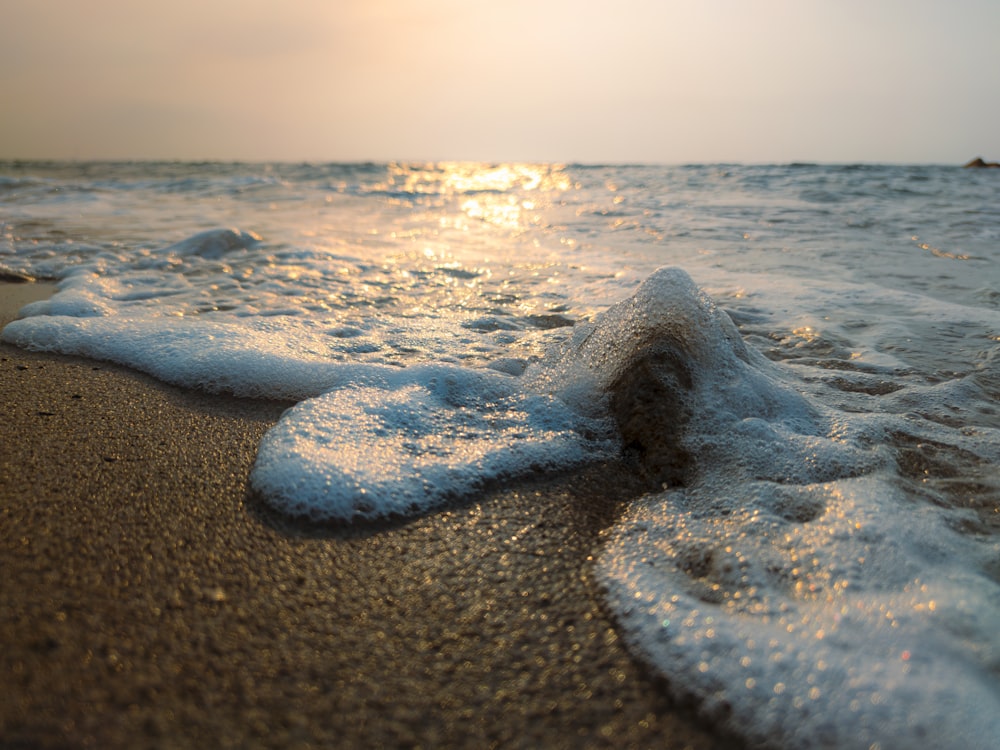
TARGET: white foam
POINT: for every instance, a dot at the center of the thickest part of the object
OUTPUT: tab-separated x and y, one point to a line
401	441
792	588
790	472
258	359
214	243
366	440
71	303
869	625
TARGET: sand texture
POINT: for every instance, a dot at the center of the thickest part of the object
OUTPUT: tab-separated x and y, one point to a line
146	600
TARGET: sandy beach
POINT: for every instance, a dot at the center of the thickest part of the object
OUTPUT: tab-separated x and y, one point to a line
147	600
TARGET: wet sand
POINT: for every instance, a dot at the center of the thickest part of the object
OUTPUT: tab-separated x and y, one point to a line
147	600
14	295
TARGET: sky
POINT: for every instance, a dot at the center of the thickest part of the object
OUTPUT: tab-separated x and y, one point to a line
593	81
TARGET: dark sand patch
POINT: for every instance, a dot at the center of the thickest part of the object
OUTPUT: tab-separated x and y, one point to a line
147	601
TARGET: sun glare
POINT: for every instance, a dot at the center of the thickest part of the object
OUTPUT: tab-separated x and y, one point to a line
491	193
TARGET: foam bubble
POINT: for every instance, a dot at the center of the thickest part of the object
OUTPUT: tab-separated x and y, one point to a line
663	359
811	616
790	580
666	311
71	303
402	441
259	359
213	243
792	587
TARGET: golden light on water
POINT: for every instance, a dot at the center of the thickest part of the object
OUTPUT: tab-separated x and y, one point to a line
451	178
465	177
507	196
494	191
806	333
503	213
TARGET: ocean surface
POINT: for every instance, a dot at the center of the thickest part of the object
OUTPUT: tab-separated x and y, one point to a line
802	360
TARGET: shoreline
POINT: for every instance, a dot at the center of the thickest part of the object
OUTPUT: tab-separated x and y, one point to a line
149	600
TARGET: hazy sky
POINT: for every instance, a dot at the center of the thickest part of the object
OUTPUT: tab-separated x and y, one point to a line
541	80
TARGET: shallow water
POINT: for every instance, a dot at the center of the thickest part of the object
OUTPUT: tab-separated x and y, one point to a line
812	399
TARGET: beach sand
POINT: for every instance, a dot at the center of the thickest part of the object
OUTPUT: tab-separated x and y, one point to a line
147	600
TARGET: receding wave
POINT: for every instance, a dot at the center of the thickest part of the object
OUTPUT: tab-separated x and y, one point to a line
813	559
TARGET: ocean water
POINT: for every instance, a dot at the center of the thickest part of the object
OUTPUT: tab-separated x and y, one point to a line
802	360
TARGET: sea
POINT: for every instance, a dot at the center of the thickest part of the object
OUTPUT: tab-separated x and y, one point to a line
801	361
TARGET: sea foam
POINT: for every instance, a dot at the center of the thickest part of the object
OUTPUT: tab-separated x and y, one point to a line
782	577
396	442
779	573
